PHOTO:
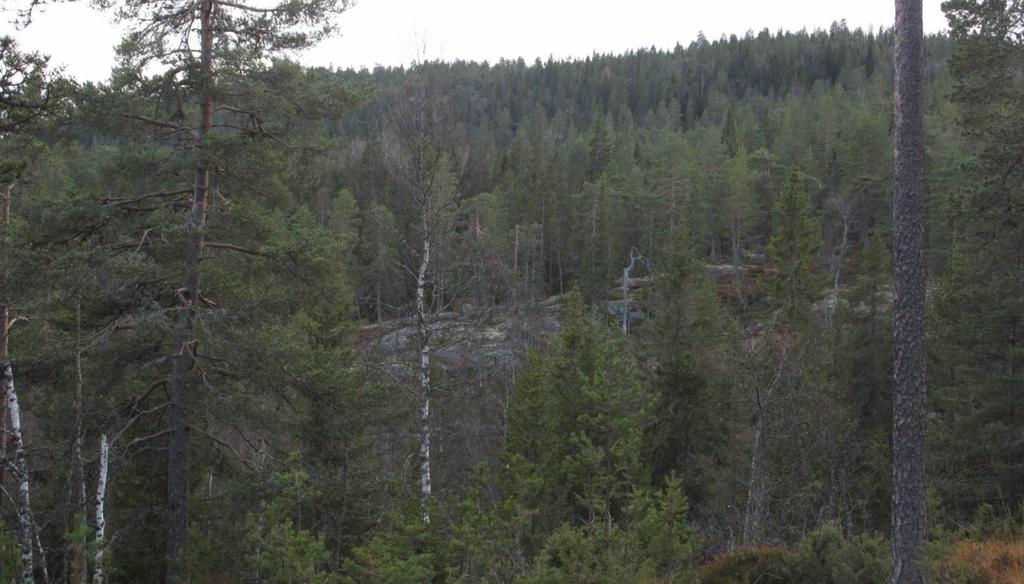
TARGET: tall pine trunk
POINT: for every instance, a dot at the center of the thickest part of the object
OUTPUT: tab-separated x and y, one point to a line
183	358
908	500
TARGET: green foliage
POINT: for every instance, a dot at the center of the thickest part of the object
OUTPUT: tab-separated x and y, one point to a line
283	552
978	314
757	565
577	420
545	177
484	536
822	557
408	550
827	557
653	544
690	339
792	249
10	555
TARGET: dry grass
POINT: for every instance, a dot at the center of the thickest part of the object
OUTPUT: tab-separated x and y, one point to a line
995	561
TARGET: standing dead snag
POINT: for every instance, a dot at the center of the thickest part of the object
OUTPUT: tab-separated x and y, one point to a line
634	257
766	368
26	526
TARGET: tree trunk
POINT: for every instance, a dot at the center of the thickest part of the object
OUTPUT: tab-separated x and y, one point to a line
81	561
182	360
755	487
42	553
99	575
908	501
26	527
5	323
424	405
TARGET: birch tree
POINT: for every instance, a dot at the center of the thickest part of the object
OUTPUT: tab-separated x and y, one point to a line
26	523
99	572
415	139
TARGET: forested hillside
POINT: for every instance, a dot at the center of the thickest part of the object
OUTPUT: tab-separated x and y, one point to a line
619	319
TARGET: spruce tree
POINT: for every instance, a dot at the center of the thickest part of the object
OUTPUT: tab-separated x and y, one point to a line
979	306
690	338
792	250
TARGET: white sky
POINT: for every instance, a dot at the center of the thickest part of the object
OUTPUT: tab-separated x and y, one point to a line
388	32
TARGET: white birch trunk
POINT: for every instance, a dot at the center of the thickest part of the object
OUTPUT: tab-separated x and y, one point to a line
100	576
424	334
26	528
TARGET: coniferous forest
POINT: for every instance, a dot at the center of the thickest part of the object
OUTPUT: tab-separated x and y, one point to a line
621	319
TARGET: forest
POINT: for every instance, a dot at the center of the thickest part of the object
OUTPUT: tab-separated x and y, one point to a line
620	319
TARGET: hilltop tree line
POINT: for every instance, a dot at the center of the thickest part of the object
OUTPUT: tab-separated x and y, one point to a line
625	318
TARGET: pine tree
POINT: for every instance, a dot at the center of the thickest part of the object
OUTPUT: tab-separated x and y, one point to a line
908	503
232	42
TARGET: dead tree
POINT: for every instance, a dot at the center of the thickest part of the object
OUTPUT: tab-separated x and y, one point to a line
634	257
845	207
762	383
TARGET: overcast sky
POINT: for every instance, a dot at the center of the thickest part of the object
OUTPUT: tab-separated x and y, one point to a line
388	32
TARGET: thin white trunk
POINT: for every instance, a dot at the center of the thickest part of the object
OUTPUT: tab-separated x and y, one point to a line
424	334
26	529
42	554
634	255
100	576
